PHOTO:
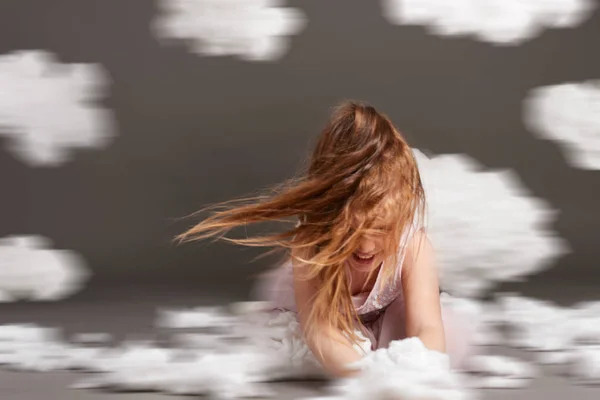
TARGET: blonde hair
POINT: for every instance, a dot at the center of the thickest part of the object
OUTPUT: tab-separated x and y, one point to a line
361	171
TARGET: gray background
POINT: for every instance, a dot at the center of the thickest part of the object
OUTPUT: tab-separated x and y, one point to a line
196	130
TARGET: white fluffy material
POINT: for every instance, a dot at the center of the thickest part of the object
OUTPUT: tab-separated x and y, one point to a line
253	30
47	108
501	22
501	371
563	328
584	365
557	335
146	367
405	370
198	317
569	115
272	349
569	337
538	325
30	270
27	347
255	347
485	226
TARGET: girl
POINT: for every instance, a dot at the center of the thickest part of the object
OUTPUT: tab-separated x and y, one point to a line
359	257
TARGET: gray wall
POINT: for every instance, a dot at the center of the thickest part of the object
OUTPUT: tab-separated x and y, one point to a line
195	130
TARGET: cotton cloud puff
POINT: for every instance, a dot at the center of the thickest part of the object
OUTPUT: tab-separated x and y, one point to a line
198	317
485	226
405	370
568	114
497	372
566	337
274	352
584	365
133	365
544	327
28	347
253	30
30	270
148	367
47	108
502	22
272	349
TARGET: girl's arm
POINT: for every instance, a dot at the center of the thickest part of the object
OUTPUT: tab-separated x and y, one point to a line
333	350
420	284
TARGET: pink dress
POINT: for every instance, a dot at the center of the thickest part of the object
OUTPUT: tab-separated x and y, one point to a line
381	310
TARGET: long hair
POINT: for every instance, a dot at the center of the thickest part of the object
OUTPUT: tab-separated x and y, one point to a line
362	180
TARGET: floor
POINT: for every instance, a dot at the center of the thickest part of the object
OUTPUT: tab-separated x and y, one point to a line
128	313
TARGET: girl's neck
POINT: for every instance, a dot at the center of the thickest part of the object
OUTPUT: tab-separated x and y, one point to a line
361	281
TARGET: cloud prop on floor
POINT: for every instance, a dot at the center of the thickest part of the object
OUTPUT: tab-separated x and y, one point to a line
258	347
568	114
502	22
251	30
566	337
405	370
485	226
565	328
501	372
261	347
47	108
30	270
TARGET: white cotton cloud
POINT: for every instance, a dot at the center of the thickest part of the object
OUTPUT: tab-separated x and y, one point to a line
30	270
502	22
584	366
566	337
253	30
569	115
47	108
28	347
273	350
405	370
484	225
501	371
545	328
199	317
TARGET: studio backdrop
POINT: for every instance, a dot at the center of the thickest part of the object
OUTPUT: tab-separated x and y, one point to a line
119	118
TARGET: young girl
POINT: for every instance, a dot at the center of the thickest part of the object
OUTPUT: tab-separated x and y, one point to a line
359	257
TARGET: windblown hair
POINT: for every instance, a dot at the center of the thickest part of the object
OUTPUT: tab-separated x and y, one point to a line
362	180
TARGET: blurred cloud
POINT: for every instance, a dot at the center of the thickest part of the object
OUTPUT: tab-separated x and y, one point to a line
253	30
29	270
567	338
502	22
199	317
568	114
47	108
502	372
273	349
485	226
425	374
